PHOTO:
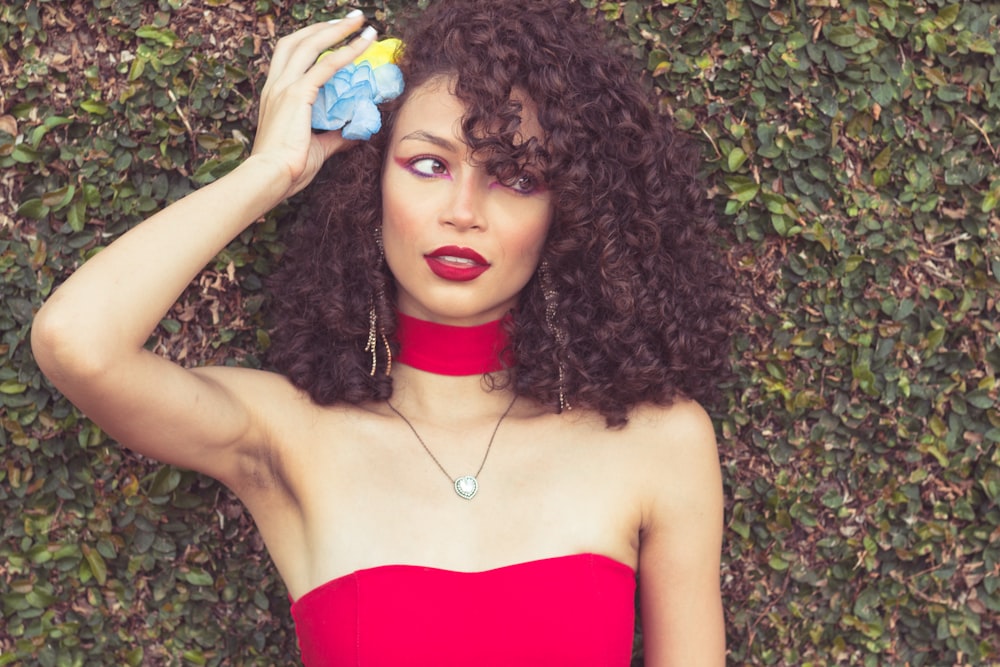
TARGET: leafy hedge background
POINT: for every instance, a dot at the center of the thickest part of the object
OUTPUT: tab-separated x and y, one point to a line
853	149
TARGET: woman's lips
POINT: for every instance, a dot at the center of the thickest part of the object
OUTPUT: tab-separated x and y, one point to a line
458	264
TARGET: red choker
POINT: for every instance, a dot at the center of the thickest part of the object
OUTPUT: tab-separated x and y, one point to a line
449	350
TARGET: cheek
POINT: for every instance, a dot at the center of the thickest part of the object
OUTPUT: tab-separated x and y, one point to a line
397	219
529	244
529	239
394	234
395	241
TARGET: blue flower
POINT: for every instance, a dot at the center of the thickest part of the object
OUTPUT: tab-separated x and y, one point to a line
348	100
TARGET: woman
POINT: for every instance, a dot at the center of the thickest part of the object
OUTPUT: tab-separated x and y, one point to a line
494	328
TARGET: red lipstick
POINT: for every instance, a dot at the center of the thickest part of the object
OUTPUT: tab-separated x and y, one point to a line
455	263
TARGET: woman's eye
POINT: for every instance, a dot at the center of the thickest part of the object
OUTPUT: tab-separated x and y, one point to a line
428	166
523	183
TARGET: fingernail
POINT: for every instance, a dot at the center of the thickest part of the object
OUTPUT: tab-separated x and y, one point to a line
355	14
369	33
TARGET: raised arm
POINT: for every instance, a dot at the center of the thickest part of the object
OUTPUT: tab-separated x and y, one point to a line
88	338
679	558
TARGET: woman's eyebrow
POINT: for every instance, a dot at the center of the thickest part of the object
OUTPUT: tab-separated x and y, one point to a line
420	135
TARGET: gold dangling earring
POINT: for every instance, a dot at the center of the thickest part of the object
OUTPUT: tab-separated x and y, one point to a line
374	331
549	292
372	344
388	355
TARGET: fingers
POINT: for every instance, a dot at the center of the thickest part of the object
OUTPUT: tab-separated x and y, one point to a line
294	61
293	83
334	31
296	53
321	71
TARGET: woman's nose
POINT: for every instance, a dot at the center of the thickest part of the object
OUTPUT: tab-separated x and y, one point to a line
464	209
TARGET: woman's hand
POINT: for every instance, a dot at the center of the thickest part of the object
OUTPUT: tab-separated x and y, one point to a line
284	136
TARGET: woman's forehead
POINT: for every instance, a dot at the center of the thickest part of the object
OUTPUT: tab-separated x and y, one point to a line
433	106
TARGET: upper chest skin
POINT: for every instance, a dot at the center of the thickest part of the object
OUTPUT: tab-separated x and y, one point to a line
366	493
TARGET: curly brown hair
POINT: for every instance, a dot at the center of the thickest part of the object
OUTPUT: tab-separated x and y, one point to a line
641	297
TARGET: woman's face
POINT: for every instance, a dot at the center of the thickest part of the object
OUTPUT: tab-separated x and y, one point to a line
460	244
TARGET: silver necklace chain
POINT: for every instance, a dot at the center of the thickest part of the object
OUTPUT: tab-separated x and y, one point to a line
468	485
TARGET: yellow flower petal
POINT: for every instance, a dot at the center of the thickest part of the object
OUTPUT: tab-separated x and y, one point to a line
380	53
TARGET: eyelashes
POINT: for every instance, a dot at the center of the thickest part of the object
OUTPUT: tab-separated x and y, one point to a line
428	166
525	183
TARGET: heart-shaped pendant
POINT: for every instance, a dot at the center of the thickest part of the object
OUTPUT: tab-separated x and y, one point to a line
466	487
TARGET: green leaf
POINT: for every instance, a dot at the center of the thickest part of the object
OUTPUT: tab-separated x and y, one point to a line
981	399
195	656
165	480
40	598
24	154
947	16
743	189
96	563
981	45
853	262
12	387
990	200
780	224
33	209
833	499
164	36
843	35
776	562
904	310
865	377
76	216
684	119
94	107
943	294
134	657
736	158
881	160
951	93
57	199
55	121
937	43
198	578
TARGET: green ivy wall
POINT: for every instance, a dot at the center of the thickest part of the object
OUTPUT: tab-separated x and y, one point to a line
853	149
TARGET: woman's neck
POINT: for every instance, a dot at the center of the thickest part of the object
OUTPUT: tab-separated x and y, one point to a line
442	399
451	350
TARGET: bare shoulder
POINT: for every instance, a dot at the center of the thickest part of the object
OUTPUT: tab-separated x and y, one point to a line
681	430
676	455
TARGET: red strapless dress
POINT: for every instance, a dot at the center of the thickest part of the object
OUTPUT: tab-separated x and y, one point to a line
572	610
